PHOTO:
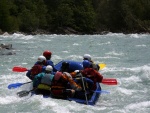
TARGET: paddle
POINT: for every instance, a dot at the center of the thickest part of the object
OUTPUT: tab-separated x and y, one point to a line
84	90
102	66
102	91
109	81
19	69
16	85
24	93
106	81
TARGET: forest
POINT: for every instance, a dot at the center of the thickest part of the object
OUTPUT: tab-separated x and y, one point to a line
75	16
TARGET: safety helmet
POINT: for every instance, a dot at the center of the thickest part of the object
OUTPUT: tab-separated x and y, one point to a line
49	68
41	58
86	64
47	53
87	57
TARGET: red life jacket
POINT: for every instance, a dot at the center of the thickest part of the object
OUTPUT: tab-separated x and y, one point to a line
58	87
36	69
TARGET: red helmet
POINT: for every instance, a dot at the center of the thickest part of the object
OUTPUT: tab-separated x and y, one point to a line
47	53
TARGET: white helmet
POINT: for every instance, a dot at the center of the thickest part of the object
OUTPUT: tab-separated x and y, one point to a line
41	58
87	56
49	68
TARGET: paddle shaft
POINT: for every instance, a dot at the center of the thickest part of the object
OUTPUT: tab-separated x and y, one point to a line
26	82
102	91
84	90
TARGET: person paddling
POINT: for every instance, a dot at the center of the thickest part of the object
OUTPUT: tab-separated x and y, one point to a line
48	55
93	65
90	73
60	87
38	67
42	81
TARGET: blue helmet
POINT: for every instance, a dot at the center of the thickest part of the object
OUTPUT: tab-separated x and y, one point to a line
86	64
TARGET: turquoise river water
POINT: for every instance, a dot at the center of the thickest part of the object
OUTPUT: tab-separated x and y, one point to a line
127	58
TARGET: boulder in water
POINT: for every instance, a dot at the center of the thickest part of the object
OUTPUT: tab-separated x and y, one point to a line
9	53
6	46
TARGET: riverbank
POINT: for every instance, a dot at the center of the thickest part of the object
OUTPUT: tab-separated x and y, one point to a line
69	31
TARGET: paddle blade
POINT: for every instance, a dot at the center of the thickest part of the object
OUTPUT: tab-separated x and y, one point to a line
109	81
23	93
16	85
19	69
102	66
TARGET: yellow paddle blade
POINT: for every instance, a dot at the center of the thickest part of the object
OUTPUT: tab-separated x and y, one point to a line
102	66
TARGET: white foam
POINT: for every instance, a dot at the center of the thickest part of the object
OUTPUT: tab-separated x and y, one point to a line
8	100
107	43
114	53
134	36
108	57
138	105
143	45
65	51
17	35
74	57
56	105
75	44
28	37
126	91
131	79
115	34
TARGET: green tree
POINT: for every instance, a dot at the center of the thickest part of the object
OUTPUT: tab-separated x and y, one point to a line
60	14
63	16
28	21
84	15
41	13
136	15
7	22
27	17
110	17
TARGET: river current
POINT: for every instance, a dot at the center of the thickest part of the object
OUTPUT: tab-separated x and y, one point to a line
127	59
